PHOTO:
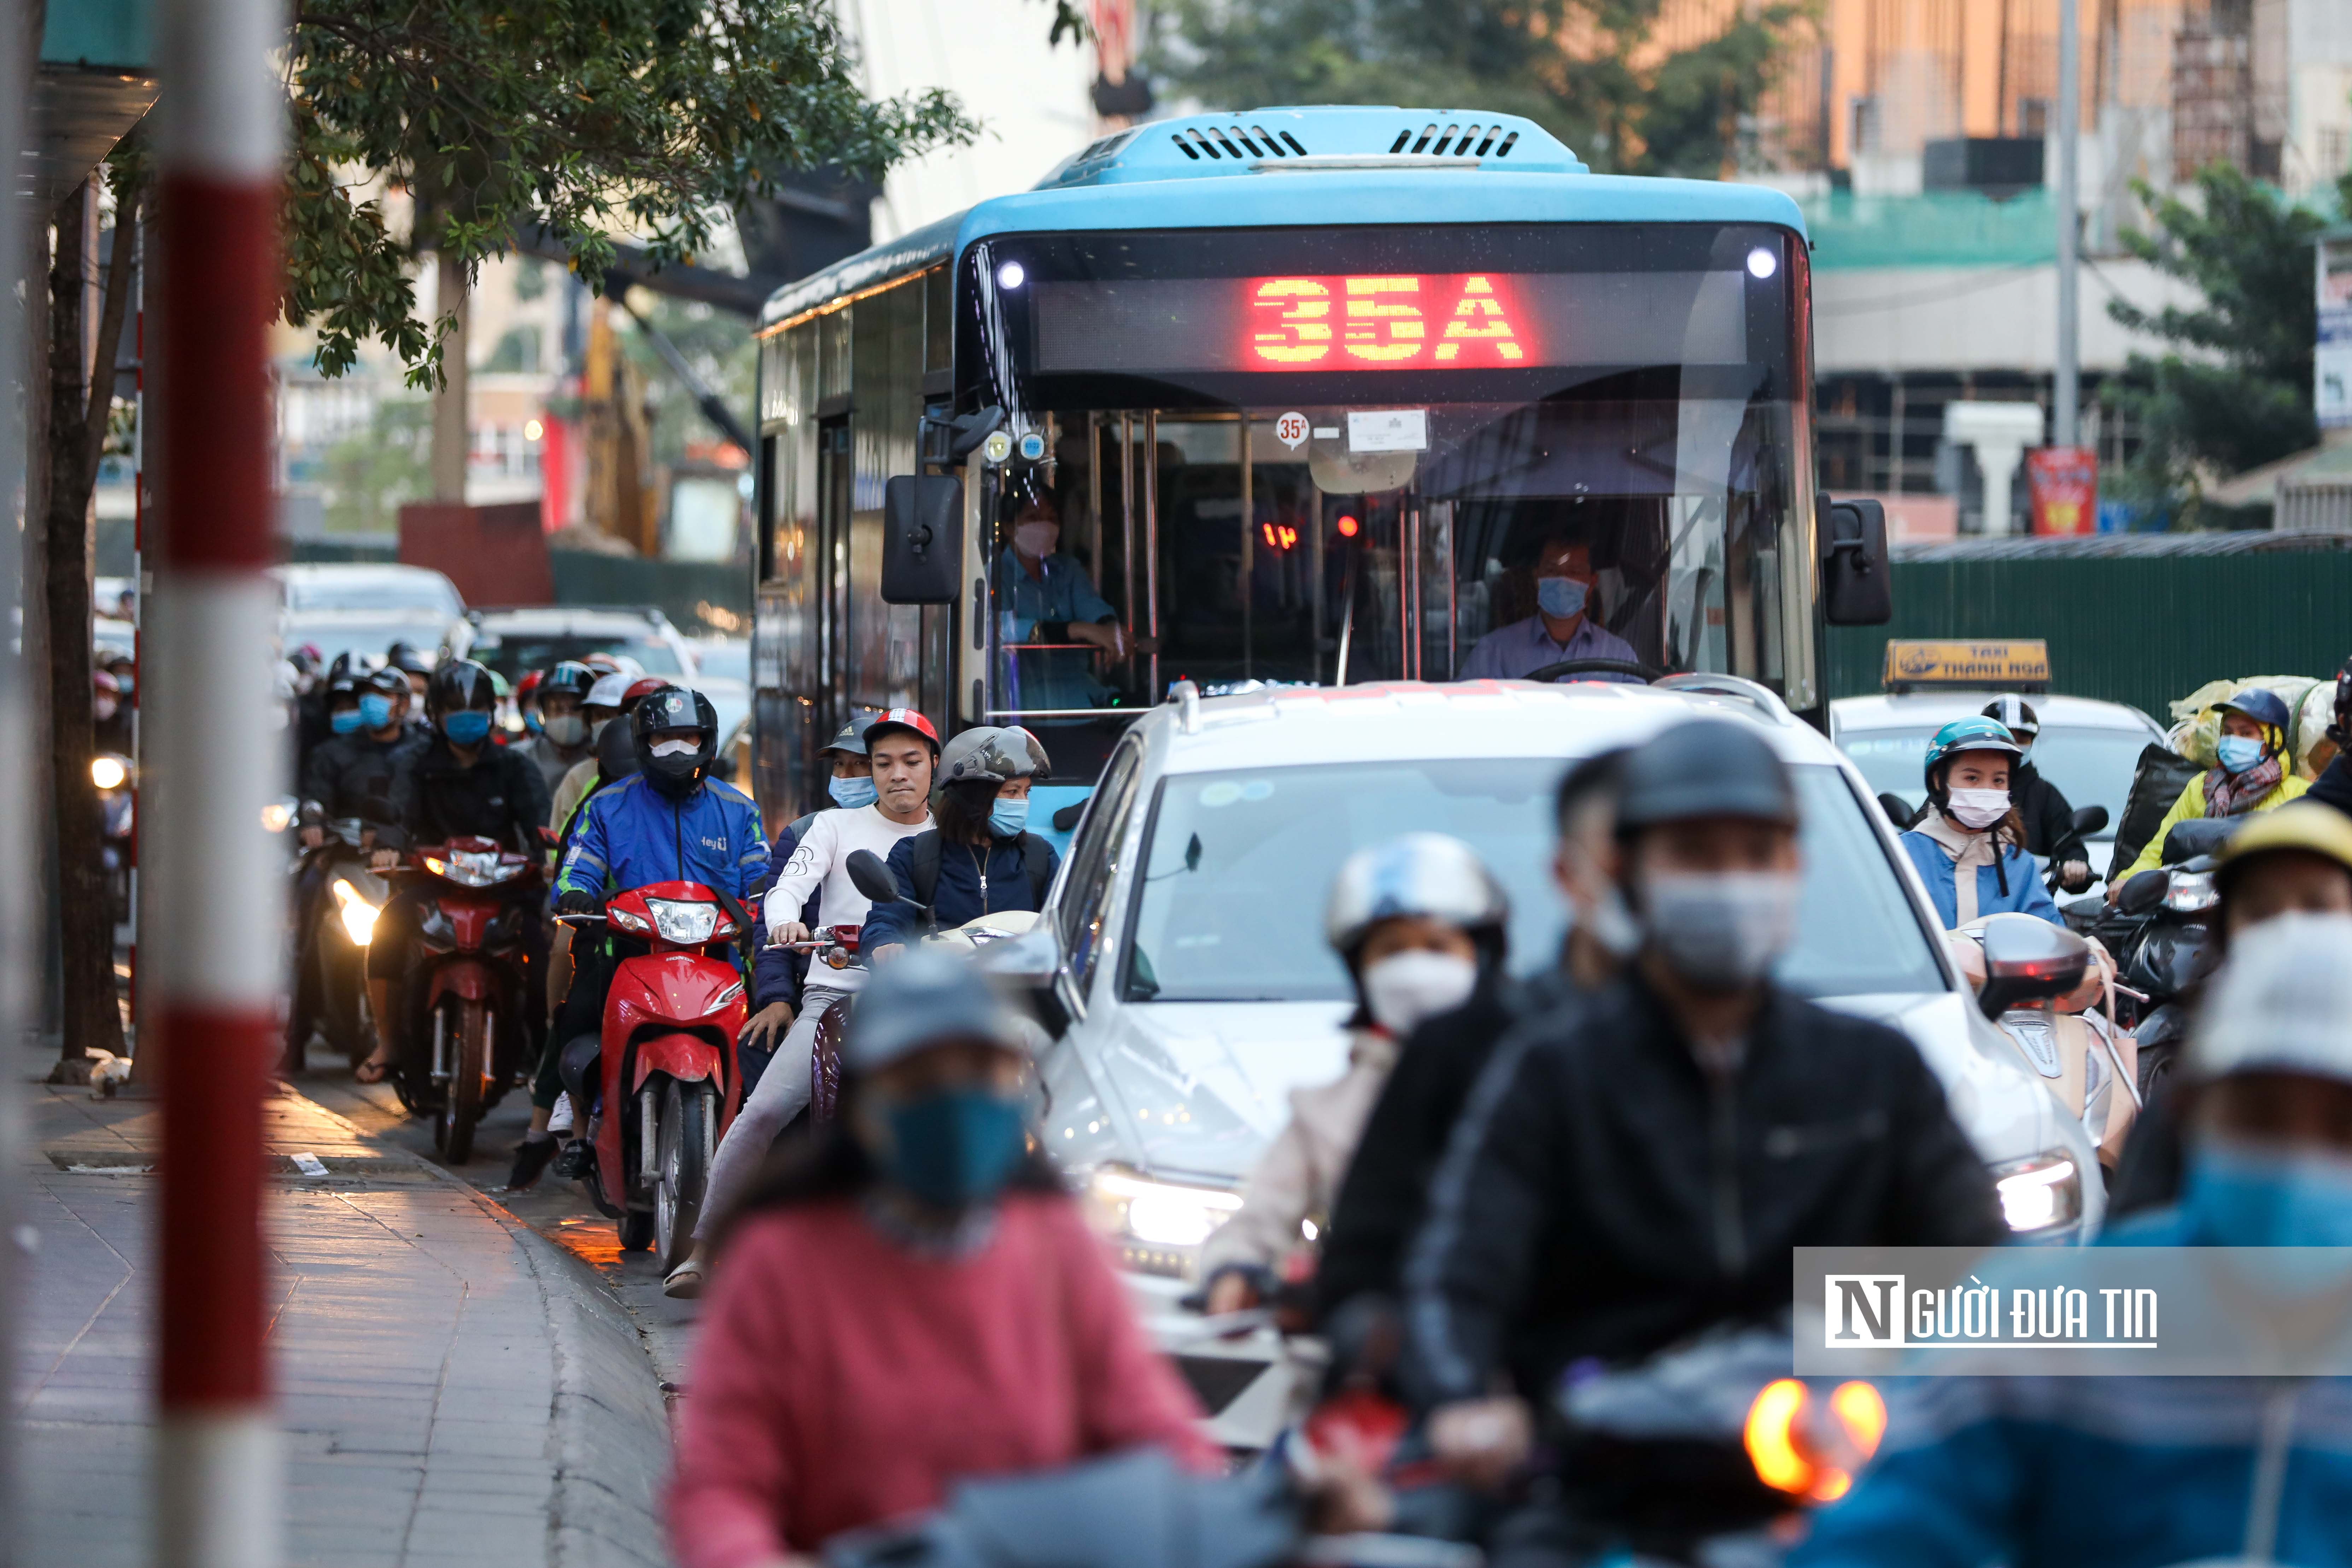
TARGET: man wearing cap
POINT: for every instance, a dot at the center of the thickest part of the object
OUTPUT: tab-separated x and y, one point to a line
900	747
1619	1180
2121	1472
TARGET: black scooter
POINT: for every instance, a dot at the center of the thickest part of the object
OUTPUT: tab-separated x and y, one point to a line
2160	931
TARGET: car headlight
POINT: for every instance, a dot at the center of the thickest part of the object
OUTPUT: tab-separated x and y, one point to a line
2190	892
2040	1193
681	921
1158	1226
357	915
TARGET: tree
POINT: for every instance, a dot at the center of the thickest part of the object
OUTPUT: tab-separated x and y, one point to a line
1569	65
2236	391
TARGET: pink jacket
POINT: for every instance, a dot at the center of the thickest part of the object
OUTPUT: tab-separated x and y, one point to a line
841	1380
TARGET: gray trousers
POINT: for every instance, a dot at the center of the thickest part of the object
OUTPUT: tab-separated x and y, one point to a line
783	1093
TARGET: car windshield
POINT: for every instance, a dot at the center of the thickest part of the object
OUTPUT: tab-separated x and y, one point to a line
517	655
367	636
2090	766
392	591
1238	864
727	659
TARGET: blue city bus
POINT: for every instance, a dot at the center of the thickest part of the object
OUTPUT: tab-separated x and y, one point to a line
1308	393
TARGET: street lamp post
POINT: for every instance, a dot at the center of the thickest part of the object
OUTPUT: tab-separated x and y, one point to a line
213	950
2067	393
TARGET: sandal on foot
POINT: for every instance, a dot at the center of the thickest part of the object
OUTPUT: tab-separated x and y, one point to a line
382	1070
684	1281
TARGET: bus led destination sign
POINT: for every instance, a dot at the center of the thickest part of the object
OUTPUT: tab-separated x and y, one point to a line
1463	319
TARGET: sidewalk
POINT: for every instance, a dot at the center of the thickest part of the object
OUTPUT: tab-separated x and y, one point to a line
454	1388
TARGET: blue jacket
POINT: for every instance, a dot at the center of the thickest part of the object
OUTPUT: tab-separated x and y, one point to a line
957	898
631	834
2090	1472
2026	895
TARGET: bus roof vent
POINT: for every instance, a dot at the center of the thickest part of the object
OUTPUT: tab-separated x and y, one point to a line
1312	140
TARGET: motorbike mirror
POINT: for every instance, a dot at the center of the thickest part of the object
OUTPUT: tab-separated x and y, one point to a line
1898	811
870	877
2142	893
2028	959
2089	819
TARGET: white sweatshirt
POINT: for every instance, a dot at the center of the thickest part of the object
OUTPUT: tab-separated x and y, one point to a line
822	862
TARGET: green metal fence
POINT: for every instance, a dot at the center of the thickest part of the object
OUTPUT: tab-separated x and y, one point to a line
2138	631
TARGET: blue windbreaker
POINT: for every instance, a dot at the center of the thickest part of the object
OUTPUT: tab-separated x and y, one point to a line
630	833
2026	895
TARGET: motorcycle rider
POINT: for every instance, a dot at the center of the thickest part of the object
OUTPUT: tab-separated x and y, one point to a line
901	749
356	773
1419	922
668	821
2041	806
561	739
110	715
456	784
978	857
2250	773
606	700
1971	824
1586	1206
916	1300
2115	1472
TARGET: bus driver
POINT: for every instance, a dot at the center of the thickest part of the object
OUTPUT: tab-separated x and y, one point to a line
1046	596
1561	627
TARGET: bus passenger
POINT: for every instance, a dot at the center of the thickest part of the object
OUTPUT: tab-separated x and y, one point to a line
979	858
1045	597
1559	629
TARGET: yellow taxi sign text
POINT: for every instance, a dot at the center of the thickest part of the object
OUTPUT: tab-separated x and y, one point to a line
2010	665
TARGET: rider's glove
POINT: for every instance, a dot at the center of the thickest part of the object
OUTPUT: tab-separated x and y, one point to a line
572	902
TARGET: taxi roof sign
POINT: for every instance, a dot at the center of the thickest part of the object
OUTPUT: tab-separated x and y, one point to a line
2020	664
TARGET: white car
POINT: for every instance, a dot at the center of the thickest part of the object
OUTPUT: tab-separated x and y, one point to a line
363	608
1183	939
2089	749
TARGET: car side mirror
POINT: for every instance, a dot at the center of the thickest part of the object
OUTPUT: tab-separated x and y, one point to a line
1898	811
2088	819
870	877
2026	959
1030	963
2143	893
1857	581
922	539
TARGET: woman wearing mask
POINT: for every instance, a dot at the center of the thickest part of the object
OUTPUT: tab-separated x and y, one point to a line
1419	923
2249	774
915	1302
980	857
1969	845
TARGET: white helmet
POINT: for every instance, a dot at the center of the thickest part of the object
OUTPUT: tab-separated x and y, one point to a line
1419	874
2282	1003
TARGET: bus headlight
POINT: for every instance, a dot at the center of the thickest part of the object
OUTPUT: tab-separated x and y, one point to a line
2040	1193
1158	1226
358	915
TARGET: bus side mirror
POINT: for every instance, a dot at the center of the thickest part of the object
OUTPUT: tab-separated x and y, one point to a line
1857	583
922	539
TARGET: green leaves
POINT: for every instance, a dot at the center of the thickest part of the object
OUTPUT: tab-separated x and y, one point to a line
653	117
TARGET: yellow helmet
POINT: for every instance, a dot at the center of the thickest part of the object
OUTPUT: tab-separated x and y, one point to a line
2303	825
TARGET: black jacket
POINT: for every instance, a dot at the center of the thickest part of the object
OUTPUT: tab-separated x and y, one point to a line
2334	786
1605	1197
502	795
2049	820
351	775
1380	1199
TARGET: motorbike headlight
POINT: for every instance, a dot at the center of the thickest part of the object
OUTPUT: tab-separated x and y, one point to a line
1158	1226
2190	892
358	915
681	921
108	771
2040	1193
276	818
1810	1446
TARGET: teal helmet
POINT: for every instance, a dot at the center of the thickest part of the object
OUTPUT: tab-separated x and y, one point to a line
1973	734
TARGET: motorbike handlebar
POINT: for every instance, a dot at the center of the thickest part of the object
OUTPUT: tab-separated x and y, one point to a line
583	920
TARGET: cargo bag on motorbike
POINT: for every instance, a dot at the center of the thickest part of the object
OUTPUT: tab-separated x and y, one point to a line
923	867
2157	782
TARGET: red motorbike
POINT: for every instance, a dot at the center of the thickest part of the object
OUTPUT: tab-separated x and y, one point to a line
667	1087
465	1039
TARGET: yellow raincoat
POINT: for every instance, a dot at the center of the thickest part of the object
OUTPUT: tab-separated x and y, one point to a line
2191	807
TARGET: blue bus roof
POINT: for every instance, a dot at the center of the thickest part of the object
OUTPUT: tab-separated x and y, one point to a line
1340	166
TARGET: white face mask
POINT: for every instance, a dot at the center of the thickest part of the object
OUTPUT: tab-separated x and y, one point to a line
1612	924
1978	809
1721	929
1403	988
675	748
1036	539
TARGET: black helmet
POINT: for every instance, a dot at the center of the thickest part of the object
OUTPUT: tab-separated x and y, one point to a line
346	663
404	657
1705	767
458	685
2016	716
616	754
385	683
569	675
675	708
344	688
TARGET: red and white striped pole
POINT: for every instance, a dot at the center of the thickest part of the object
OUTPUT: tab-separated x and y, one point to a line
213	948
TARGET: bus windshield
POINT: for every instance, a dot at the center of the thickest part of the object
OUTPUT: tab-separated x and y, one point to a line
1341	455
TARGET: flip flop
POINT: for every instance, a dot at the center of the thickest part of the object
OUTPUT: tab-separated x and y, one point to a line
382	1070
684	1281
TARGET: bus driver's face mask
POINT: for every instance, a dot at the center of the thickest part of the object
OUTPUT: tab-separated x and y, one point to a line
1561	597
1036	538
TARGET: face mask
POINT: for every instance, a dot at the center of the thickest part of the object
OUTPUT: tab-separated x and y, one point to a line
596	728
954	1148
1036	539
344	722
675	748
850	794
1612	924
1721	929
1561	597
2247	1194
565	728
2237	753
127	683
1978	809
1007	818
530	723
467	728
1403	988
375	711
